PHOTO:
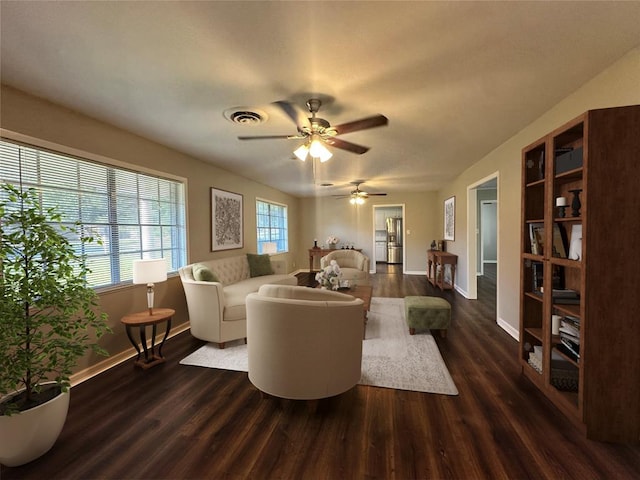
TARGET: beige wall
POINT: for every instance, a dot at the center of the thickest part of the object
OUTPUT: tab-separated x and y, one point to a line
30	116
317	218
326	216
616	86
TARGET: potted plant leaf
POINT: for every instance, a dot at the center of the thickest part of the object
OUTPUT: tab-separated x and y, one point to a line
48	320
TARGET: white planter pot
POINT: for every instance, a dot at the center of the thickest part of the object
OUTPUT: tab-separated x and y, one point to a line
28	435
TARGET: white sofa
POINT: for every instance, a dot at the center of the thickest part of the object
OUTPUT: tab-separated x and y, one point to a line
303	343
217	311
353	264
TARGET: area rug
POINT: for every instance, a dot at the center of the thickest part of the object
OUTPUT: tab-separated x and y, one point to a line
391	358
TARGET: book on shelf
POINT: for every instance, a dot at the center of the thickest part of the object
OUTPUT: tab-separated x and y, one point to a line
571	320
536	236
571	347
566	301
569	329
564	293
538	276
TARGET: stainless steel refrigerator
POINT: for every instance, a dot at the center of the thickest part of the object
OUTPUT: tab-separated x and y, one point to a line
394	240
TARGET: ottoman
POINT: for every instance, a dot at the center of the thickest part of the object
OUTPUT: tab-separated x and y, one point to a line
427	313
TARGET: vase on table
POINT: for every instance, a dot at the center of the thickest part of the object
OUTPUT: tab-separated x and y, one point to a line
332	246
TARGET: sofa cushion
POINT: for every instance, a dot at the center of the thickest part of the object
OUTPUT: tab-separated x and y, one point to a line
259	265
202	273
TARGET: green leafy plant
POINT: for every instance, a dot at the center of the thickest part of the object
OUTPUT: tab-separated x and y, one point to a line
47	310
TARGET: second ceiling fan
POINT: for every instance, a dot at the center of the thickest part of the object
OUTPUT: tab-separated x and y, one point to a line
318	132
357	196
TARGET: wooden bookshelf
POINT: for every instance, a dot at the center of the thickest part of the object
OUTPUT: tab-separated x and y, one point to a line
596	255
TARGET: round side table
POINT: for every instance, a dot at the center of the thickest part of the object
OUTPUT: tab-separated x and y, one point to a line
141	320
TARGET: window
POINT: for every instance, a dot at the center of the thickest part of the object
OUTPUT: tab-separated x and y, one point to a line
272	226
135	215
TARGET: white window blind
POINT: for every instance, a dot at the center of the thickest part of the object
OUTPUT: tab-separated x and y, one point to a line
135	215
272	225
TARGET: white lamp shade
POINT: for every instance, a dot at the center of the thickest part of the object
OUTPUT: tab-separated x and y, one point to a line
149	271
318	150
301	152
269	247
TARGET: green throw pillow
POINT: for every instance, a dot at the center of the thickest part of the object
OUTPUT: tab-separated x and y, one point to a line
259	265
203	274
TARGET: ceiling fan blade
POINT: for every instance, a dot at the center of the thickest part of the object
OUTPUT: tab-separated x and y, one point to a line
344	145
299	116
270	137
376	194
340	196
362	124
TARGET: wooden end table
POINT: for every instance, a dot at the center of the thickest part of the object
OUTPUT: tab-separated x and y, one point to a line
141	320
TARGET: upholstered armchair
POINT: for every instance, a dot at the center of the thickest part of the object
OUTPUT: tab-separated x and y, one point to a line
303	343
354	265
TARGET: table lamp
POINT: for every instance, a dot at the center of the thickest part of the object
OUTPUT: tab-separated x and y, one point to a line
149	272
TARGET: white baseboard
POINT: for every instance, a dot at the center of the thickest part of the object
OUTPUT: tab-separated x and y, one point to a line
509	329
113	360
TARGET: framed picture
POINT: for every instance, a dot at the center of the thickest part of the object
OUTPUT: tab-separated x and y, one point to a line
226	220
560	243
536	236
450	218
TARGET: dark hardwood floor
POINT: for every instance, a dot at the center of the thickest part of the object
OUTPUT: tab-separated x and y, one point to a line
182	422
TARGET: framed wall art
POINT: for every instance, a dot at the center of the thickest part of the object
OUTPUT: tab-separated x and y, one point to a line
226	220
450	218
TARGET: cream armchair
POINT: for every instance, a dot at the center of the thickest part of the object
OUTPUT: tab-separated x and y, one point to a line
303	343
354	265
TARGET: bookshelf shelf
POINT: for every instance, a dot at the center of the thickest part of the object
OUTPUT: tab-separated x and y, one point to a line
581	269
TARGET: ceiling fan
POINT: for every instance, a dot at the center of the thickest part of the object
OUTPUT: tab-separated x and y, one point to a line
357	196
318	132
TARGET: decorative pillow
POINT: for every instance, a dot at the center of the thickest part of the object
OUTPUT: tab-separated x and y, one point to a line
201	273
259	265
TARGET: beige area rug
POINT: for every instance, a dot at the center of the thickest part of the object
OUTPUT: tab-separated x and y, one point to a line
391	358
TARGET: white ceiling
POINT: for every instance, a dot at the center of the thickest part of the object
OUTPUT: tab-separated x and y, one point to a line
455	79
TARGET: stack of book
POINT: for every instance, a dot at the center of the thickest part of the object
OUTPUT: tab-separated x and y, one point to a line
564	375
565	296
570	337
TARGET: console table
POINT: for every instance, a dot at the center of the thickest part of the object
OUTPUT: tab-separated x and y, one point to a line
436	261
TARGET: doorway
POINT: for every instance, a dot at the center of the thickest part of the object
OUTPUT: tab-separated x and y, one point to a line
482	239
388	240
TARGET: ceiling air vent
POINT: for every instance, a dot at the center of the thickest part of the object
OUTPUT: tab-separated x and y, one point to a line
245	116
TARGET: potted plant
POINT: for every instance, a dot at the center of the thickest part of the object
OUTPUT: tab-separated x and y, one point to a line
48	320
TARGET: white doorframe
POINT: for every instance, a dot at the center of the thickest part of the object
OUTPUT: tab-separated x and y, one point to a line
372	263
472	236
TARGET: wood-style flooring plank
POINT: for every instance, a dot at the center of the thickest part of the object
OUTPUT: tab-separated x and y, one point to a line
183	422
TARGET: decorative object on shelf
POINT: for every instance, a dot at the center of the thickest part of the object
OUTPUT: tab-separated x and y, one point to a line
575	202
226	220
330	277
332	241
449	218
315	243
434	245
561	203
575	247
